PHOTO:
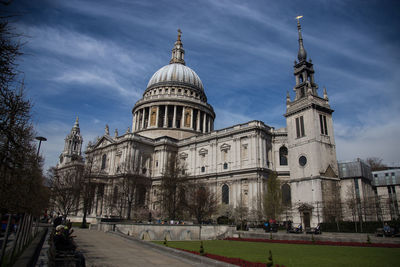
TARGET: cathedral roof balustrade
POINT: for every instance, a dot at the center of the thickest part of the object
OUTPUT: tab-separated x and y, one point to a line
239	128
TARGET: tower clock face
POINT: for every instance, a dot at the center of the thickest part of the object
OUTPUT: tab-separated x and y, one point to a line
302	161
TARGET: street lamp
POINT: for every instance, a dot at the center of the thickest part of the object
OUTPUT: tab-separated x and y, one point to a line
40	139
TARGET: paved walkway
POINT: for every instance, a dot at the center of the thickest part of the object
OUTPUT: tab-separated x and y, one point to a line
106	250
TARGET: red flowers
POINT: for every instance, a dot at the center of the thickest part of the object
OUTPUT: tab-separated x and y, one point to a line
235	261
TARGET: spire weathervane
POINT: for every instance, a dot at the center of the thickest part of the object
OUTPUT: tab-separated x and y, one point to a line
179	34
302	55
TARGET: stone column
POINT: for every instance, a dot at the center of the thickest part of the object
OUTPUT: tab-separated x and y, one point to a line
143	115
157	113
149	117
254	148
198	121
209	124
204	122
174	118
166	117
191	119
134	121
183	118
137	120
94	207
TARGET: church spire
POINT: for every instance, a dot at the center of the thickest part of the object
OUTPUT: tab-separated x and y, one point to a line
76	125
302	55
178	52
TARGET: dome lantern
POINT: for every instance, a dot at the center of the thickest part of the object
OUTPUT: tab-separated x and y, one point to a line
178	52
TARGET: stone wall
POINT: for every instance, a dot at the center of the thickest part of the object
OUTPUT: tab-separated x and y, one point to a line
169	232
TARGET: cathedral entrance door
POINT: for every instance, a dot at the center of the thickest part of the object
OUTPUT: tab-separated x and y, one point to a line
306	218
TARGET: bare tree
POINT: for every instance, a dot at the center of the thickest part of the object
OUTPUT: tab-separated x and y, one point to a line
87	188
332	204
225	212
200	201
352	204
21	176
273	198
133	187
173	186
66	189
376	164
241	213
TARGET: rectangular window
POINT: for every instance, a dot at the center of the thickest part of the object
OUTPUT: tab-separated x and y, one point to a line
325	126
322	122
300	127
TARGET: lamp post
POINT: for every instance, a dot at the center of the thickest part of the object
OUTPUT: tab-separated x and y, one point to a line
40	139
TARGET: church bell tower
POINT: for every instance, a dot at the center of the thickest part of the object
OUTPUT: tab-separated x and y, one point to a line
73	146
311	143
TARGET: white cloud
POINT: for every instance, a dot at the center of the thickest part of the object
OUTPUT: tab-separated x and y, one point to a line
226	118
369	141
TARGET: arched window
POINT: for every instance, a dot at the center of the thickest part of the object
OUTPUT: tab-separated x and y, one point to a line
103	161
300	78
225	194
283	156
286	195
225	166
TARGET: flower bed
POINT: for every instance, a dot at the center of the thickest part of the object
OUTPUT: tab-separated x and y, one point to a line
328	243
235	261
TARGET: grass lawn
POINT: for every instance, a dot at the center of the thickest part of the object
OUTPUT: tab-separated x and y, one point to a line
297	255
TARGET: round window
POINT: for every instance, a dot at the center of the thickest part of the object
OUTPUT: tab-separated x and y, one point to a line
302	161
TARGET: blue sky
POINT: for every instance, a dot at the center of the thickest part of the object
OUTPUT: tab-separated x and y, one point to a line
93	59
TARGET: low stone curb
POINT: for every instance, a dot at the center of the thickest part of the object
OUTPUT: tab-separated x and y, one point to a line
200	260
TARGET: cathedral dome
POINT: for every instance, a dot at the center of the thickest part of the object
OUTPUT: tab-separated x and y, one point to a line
176	73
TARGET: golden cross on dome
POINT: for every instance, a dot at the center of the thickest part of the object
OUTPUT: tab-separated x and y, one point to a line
179	34
299	17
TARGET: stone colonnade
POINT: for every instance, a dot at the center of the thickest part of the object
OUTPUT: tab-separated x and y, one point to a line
172	116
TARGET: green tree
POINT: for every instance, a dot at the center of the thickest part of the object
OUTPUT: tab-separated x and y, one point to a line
273	197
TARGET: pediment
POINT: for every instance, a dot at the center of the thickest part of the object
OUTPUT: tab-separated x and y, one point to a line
183	155
203	151
105	140
329	172
225	147
305	207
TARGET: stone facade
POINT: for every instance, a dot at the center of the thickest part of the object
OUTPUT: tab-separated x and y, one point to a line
174	118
